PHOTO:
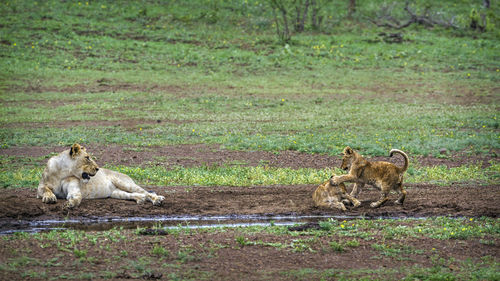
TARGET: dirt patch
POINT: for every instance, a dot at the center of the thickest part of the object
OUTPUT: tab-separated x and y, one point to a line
388	92
105	85
422	200
124	123
192	155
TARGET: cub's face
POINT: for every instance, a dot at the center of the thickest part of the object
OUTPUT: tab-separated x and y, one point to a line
84	166
347	158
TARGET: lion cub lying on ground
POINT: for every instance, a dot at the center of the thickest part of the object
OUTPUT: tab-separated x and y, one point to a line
328	195
384	176
72	174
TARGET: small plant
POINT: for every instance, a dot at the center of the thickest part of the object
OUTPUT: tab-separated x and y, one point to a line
79	253
352	243
241	241
185	256
159	251
336	246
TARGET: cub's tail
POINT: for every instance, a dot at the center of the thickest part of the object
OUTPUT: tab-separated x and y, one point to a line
405	167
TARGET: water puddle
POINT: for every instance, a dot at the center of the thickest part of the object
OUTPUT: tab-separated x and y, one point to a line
102	224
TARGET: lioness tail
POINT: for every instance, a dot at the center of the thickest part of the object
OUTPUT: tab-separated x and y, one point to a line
405	167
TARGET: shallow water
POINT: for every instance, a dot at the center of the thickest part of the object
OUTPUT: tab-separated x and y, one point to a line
106	223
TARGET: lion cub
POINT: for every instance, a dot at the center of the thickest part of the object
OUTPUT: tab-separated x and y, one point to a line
384	176
328	195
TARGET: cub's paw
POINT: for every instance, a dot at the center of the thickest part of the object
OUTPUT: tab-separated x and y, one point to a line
49	198
334	181
356	203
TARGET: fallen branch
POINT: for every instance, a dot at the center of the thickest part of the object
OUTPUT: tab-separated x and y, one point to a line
387	20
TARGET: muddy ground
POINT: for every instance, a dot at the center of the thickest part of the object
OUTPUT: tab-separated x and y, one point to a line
422	200
221	254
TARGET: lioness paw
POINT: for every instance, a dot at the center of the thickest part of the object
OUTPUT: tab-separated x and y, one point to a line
68	205
140	199
49	198
157	200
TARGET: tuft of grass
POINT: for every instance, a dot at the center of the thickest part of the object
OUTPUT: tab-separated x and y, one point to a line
160	251
336	246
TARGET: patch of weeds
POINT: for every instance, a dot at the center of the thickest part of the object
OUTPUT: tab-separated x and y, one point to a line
79	253
34	274
352	243
242	241
396	250
160	251
301	245
140	265
449	269
487	242
460	228
185	255
249	176
108	274
327	225
336	246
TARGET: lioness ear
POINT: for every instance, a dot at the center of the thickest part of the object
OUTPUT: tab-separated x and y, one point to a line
75	150
348	150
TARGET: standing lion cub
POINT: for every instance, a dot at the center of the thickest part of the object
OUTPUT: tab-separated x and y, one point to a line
384	176
74	175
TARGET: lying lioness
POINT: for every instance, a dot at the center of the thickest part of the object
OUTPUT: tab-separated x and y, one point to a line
384	176
330	196
74	175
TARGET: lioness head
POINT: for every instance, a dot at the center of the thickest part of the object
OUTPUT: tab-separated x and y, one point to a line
84	166
347	158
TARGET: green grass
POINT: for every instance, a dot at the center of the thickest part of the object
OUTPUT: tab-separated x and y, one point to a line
249	123
219	77
259	175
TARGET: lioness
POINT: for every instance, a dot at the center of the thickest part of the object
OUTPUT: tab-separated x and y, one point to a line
328	195
74	175
384	176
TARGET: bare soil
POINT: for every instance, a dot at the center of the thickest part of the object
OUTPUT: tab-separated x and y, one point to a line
390	92
195	155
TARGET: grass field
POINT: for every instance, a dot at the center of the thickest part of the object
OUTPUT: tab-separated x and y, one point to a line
147	74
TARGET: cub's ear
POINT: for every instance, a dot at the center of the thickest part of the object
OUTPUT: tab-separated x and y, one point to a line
75	150
348	150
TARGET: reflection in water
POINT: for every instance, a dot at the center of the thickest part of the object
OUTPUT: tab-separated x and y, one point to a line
102	224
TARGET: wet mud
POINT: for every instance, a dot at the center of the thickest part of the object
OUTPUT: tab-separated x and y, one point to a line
20	208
